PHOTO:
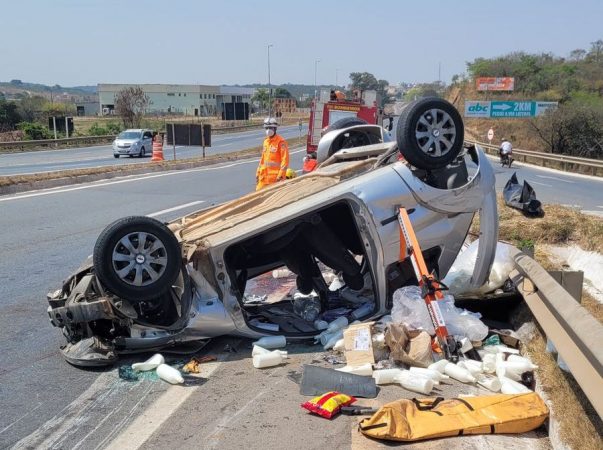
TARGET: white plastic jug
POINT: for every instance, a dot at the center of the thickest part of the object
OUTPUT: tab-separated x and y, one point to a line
509	386
281	273
386	376
489	363
475	367
169	374
332	339
267	360
339	346
152	363
458	373
271	342
439	365
415	383
364	369
257	350
517	358
432	374
489	382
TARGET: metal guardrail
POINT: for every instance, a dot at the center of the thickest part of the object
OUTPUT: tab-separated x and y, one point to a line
566	162
577	335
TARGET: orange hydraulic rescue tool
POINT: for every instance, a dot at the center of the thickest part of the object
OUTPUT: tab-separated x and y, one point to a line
431	289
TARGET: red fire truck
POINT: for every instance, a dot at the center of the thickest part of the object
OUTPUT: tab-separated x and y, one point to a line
330	107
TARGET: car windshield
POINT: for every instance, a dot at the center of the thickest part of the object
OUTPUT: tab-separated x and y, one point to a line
129	135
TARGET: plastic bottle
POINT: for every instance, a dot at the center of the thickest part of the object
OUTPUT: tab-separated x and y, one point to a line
308	308
271	342
321	325
508	386
489	363
169	374
281	273
475	367
152	363
364	369
458	373
267	360
517	358
337	324
332	339
339	346
257	350
386	376
415	383
489	382
335	285
439	365
364	310
500	348
432	374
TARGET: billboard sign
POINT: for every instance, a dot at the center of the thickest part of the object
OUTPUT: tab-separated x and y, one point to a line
507	108
495	83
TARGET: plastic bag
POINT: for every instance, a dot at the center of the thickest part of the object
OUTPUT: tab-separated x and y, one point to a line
410	309
329	404
459	275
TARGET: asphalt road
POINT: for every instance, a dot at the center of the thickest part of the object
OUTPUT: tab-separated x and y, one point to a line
47	234
99	156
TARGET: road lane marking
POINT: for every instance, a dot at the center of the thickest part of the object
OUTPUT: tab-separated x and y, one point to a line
556	179
541	184
51	191
175	208
149	421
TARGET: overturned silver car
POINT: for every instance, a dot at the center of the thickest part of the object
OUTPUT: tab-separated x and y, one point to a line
151	285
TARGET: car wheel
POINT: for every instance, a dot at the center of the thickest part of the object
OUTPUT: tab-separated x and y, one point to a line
430	133
137	258
116	156
142	153
345	123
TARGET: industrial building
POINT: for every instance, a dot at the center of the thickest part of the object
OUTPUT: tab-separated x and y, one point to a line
185	99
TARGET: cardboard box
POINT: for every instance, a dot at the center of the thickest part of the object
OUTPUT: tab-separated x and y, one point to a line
358	342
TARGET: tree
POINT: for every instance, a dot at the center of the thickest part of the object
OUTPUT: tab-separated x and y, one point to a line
367	81
58	109
577	54
31	108
280	92
130	104
260	97
9	116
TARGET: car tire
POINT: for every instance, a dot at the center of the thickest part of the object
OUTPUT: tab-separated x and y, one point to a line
345	123
429	142
142	153
116	156
137	258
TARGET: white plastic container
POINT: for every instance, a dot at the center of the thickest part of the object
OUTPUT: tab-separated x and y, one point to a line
439	365
271	342
364	310
489	363
489	382
169	374
415	383
267	360
321	324
509	386
335	285
281	273
364	369
332	339
522	365
257	350
432	374
386	376
500	348
475	367
339	346
458	373
152	363
466	345
517	358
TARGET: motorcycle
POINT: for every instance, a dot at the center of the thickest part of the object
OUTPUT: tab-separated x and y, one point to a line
506	159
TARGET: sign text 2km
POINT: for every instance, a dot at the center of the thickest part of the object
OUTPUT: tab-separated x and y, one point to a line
508	108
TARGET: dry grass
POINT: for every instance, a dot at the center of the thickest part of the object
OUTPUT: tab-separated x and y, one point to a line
580	427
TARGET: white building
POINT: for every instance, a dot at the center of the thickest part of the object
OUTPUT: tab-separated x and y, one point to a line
186	99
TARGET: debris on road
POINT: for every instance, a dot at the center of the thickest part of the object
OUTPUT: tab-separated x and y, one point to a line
328	405
194	365
522	197
152	363
316	380
169	374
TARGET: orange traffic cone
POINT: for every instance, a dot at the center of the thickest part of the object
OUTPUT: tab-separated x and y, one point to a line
157	148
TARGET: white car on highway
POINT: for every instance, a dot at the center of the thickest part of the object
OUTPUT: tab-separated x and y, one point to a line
133	142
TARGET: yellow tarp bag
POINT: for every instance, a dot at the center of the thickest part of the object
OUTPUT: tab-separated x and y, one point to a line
414	420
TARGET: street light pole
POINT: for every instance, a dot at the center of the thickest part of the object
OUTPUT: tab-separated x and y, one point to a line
269	85
315	85
336	77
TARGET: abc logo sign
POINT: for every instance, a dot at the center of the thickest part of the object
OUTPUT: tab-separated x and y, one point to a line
477	109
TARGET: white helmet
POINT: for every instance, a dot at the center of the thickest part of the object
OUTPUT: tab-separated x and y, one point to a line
270	122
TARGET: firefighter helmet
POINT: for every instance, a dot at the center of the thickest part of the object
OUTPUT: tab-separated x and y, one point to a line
270	122
290	173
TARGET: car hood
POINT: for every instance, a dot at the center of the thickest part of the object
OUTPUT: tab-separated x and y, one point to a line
126	141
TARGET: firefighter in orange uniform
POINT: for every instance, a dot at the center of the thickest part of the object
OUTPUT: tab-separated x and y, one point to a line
275	157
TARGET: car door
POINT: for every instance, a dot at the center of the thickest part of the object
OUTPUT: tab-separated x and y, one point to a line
147	140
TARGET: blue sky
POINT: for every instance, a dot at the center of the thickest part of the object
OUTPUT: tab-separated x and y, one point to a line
81	42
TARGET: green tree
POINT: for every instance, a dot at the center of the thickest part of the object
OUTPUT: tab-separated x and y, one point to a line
280	92
130	104
58	109
34	131
32	108
9	116
260	97
367	81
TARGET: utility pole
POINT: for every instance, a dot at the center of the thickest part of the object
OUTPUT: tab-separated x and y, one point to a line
336	77
315	85
269	85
